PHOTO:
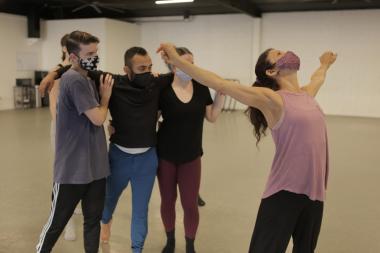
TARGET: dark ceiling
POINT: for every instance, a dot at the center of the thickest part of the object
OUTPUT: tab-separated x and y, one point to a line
124	9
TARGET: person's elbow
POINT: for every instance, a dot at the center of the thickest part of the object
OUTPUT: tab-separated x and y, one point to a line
211	118
96	116
97	122
318	79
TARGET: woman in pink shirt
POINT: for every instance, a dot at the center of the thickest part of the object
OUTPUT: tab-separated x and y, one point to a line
292	204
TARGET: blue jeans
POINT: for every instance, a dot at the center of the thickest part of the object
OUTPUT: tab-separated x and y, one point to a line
140	170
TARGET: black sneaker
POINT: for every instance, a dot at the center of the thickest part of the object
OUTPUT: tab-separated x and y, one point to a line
170	242
168	249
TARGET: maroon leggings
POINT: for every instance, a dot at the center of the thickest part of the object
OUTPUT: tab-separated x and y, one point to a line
188	177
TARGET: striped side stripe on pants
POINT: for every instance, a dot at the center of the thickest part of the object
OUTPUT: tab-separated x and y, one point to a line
50	220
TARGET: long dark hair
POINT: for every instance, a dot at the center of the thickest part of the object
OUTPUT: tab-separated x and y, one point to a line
262	80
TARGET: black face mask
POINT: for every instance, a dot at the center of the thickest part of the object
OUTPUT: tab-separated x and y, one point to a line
143	80
90	63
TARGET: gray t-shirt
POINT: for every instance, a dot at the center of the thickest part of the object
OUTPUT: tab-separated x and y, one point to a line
80	149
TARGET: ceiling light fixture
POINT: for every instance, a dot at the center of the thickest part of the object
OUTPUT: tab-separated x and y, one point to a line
173	1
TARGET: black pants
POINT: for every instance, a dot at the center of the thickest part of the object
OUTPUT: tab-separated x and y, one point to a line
284	215
65	198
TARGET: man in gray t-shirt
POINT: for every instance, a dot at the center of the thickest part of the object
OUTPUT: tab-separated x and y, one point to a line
81	148
81	160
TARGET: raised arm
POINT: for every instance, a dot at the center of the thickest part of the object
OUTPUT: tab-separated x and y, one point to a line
319	76
119	80
98	115
48	81
262	98
96	76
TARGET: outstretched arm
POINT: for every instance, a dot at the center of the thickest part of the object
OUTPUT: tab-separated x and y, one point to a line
118	79
319	76
262	98
98	115
48	82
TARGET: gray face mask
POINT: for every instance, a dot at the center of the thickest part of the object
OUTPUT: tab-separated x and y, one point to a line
183	76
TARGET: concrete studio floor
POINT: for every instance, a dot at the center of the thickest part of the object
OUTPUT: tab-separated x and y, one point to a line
234	175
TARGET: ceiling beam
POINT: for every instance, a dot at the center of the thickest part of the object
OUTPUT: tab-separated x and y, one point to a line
244	6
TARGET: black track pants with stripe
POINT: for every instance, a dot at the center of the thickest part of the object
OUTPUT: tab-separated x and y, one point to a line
65	198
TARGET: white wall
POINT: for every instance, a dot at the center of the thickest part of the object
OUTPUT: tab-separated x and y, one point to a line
53	30
119	37
221	43
13	42
115	37
229	45
353	84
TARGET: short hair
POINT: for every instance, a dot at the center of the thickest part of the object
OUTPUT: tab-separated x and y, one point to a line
131	52
77	38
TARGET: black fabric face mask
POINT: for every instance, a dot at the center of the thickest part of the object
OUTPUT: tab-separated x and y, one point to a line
144	80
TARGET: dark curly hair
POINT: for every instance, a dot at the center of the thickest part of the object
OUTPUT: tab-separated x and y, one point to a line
263	80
